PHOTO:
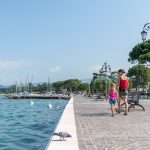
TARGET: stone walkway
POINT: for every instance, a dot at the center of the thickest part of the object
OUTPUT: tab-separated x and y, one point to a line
97	130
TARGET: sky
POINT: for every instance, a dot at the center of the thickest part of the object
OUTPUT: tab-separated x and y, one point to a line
63	39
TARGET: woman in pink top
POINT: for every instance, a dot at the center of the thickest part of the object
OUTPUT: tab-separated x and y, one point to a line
112	96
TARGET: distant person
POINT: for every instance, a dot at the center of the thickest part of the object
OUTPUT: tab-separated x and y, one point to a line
112	96
123	85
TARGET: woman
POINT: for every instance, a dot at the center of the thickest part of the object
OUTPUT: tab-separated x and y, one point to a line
123	85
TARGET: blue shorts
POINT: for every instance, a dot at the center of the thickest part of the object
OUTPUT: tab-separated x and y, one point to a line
112	101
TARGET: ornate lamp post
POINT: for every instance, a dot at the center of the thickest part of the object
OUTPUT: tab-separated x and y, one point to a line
146	28
105	69
104	72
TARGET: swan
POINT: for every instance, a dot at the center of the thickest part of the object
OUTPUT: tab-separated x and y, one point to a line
32	103
49	106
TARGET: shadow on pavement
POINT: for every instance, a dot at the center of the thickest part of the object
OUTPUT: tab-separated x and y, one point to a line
94	114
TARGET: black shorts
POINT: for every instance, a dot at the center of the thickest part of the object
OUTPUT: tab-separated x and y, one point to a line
123	92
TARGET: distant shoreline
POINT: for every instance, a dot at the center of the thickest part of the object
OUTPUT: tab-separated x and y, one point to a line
2	94
37	96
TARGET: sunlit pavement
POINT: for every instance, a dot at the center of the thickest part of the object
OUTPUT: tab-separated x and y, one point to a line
97	130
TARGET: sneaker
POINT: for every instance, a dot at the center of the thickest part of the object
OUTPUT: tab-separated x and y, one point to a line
112	115
118	111
125	114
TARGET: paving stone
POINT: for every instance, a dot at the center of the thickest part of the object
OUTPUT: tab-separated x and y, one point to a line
97	130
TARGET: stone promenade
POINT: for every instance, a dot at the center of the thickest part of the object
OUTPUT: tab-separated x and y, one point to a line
97	130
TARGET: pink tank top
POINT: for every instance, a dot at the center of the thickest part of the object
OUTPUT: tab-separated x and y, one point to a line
112	94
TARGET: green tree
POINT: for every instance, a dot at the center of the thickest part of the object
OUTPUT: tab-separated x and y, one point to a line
58	86
92	86
99	81
72	84
83	87
114	76
101	84
140	75
140	53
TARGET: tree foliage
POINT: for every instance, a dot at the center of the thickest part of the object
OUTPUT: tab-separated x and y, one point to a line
100	84
83	87
99	81
114	76
70	85
140	73
140	53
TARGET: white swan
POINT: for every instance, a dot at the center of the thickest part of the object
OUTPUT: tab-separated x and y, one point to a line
32	103
50	105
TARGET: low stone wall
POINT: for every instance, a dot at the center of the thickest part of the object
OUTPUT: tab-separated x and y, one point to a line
66	123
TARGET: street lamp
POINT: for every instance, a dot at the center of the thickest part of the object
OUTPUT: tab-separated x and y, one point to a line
103	71
146	28
144	32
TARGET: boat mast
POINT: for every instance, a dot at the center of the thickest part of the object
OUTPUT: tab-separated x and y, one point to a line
16	87
48	86
31	84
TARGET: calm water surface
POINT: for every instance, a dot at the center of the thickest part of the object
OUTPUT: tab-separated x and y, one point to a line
26	127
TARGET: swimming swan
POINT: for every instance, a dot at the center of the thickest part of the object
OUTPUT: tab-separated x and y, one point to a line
32	103
49	106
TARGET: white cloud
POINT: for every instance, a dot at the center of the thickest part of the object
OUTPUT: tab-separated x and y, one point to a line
55	69
13	64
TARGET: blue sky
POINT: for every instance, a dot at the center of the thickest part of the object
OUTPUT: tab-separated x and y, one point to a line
67	38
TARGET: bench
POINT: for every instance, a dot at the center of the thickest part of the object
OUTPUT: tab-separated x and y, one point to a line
133	100
99	98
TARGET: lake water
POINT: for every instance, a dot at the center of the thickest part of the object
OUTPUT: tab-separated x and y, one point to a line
26	127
